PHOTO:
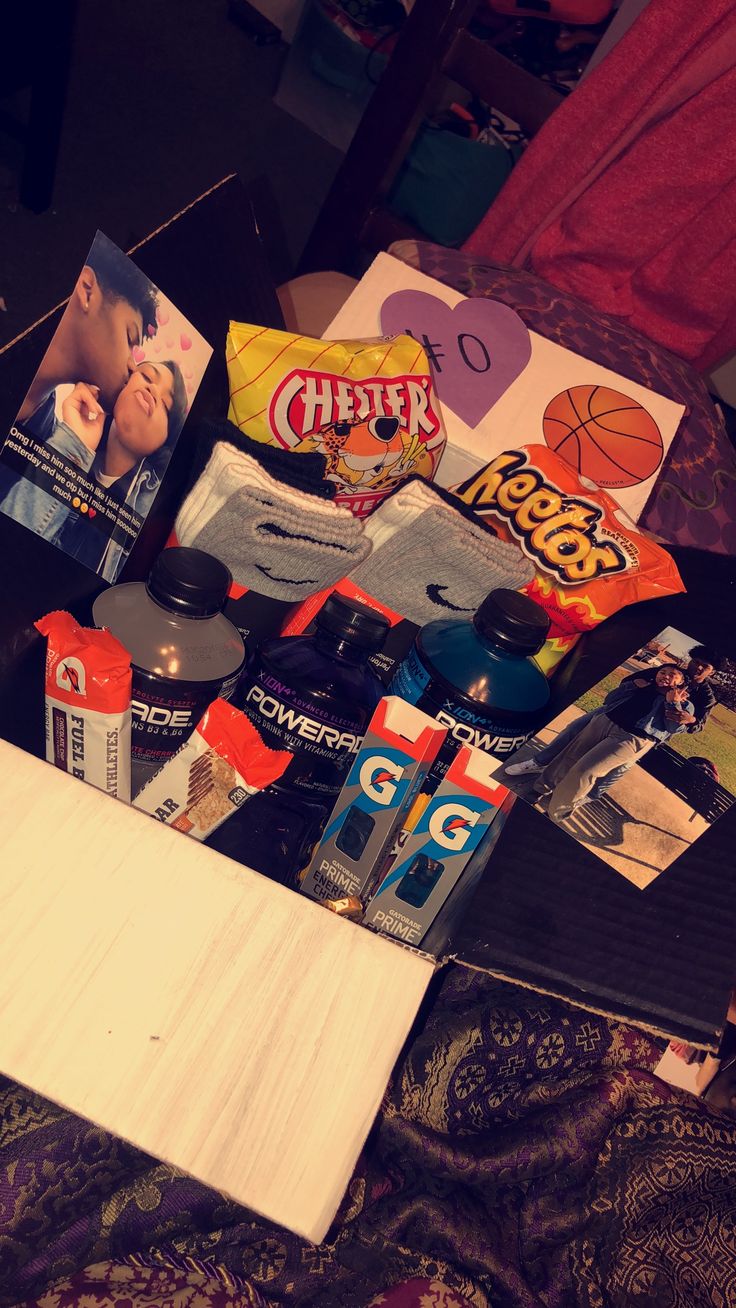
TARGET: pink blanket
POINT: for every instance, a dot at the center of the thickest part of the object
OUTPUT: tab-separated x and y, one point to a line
627	196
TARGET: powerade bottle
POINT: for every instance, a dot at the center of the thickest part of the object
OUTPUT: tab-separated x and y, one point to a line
185	653
314	695
478	677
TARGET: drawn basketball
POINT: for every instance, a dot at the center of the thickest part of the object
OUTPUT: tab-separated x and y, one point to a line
606	435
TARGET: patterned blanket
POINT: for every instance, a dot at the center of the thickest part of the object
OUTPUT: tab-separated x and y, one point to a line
525	1157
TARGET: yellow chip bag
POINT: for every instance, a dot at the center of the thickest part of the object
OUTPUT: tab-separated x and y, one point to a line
368	406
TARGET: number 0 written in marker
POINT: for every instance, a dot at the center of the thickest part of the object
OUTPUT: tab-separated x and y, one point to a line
475	356
481	361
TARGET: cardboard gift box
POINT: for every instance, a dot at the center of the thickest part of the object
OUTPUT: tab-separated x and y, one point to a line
223	1022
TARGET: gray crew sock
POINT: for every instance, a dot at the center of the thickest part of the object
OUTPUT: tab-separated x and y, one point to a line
276	540
437	565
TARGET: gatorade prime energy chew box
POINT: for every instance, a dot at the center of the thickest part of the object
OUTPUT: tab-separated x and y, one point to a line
223	763
88	681
398	749
439	849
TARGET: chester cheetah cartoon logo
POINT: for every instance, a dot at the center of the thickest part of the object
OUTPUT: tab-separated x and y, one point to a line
368	455
373	433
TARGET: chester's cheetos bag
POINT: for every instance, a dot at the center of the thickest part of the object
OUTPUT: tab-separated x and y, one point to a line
368	406
591	560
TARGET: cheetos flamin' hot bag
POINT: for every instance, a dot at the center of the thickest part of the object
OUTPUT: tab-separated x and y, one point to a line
368	406
590	559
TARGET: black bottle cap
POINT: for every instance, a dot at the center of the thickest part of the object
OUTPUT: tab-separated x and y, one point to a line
512	621
189	582
364	627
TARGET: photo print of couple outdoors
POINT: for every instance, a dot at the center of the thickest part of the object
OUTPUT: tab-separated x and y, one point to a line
644	762
85	458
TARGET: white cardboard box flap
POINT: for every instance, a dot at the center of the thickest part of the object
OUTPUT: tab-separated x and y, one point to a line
207	1015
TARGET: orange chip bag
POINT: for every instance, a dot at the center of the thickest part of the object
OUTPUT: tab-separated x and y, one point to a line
368	406
591	560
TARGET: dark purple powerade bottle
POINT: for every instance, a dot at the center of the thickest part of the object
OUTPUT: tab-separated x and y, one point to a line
315	696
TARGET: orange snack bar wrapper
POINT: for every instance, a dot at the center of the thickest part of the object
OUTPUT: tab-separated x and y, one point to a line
215	772
591	560
88	686
368	406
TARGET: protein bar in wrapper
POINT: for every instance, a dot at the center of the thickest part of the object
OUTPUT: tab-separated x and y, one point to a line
88	680
223	763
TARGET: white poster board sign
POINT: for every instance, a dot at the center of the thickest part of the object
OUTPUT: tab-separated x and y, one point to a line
501	386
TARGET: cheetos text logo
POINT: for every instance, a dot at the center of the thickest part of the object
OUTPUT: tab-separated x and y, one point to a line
559	532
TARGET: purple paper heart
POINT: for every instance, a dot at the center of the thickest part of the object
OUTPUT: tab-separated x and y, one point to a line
476	350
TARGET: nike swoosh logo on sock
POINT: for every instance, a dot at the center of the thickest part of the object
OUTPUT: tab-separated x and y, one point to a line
272	529
288	581
433	593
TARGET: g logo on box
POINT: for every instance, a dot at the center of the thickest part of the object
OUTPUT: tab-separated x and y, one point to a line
449	825
71	675
379	778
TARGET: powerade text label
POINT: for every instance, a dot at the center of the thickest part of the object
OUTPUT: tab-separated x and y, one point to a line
165	712
467	724
323	743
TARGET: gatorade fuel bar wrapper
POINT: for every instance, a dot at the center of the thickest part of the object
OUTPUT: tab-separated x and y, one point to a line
88	681
398	749
222	764
368	406
452	838
591	560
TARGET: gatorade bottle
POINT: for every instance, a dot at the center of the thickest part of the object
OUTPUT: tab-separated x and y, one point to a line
478	676
315	696
185	653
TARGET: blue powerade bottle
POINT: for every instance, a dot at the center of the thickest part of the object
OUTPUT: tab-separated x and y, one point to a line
478	677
